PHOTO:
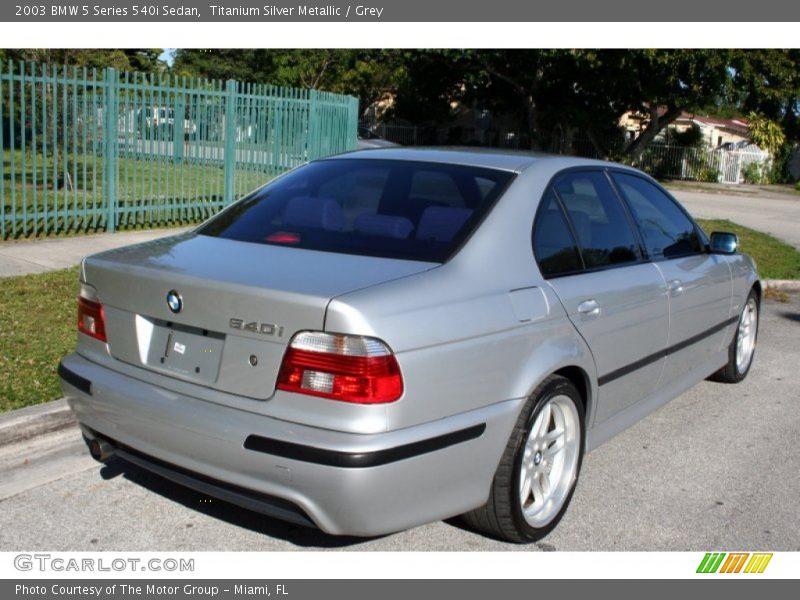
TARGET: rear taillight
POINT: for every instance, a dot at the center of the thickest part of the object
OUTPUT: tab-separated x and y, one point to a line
349	368
91	318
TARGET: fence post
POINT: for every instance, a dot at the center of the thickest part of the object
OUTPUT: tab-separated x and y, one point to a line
230	140
352	123
2	157
313	142
178	127
110	153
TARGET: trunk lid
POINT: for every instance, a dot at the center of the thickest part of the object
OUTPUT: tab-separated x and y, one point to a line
240	304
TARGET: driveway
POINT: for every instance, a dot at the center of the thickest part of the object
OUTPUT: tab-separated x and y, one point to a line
714	469
776	214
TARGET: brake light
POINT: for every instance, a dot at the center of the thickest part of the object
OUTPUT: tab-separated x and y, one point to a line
91	317
348	368
283	237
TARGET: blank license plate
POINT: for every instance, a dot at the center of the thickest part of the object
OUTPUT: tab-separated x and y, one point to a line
186	351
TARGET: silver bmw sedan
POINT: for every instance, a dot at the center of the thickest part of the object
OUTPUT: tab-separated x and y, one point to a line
389	337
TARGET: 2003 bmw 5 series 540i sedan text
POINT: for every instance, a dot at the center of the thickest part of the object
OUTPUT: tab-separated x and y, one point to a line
390	337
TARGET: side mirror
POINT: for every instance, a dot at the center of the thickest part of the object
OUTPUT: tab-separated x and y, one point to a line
723	242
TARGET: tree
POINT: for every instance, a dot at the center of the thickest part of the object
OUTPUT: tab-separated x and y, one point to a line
432	81
368	74
765	133
589	90
765	80
133	59
664	83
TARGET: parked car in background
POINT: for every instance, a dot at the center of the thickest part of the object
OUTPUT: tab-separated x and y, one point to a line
159	121
368	138
389	337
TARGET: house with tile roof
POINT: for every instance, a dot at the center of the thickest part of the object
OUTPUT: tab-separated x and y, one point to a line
716	131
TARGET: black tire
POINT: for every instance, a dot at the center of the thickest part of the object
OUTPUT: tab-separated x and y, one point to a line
502	516
731	373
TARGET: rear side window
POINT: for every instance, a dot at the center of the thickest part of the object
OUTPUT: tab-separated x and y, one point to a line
553	244
395	209
598	218
667	231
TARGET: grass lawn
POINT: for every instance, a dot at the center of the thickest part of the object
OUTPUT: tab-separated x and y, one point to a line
151	192
37	328
38	322
775	259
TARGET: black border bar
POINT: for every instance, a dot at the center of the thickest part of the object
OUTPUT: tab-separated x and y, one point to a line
627	369
360	460
74	379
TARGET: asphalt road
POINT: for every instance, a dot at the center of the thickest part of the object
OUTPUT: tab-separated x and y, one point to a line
716	468
770	212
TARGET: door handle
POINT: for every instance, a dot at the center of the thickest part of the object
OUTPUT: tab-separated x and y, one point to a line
589	309
675	287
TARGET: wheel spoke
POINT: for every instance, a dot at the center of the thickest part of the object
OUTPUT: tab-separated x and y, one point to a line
544	420
536	488
555	447
530	450
525	488
553	435
544	484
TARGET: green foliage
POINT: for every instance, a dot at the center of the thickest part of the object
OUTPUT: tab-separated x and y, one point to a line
689	138
709	175
765	81
367	74
779	169
754	173
765	133
539	93
131	59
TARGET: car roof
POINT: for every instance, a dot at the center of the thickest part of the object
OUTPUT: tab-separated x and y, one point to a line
491	158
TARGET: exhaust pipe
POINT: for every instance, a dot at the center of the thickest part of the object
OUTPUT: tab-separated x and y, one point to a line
100	449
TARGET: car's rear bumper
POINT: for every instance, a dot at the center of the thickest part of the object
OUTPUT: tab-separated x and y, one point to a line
344	483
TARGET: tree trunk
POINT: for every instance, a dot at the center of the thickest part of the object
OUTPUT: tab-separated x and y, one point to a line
602	152
528	95
636	147
532	120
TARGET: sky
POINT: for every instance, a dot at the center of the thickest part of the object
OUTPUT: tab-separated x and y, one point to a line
168	55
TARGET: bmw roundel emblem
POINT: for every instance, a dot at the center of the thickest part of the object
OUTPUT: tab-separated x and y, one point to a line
174	301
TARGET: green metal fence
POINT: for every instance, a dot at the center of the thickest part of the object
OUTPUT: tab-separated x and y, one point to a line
91	150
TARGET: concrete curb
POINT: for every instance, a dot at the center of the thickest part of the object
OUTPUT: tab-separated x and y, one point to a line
782	285
31	421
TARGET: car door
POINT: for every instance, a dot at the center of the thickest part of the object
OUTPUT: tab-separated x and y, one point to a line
699	284
586	247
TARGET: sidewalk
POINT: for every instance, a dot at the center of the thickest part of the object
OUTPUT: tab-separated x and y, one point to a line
50	254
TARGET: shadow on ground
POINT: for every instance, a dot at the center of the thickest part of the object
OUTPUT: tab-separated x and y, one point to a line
792	316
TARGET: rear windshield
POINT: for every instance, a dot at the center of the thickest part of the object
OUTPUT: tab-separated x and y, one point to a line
386	208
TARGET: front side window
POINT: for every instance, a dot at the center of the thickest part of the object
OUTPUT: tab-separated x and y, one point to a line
388	208
598	218
667	231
